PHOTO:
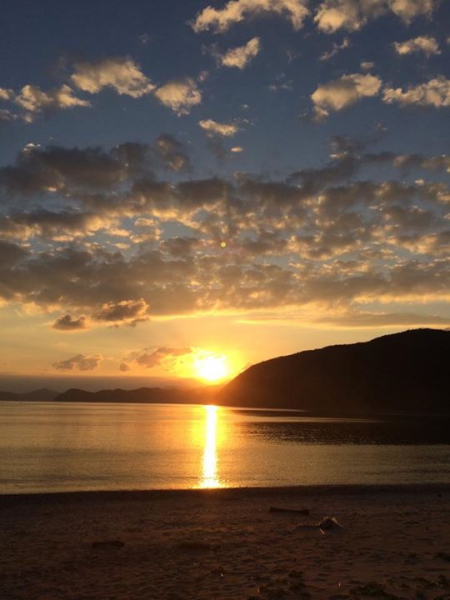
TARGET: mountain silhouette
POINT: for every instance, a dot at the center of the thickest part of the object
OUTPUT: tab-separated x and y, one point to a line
43	395
403	372
142	395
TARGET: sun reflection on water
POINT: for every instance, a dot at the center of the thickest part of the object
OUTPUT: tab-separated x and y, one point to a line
210	477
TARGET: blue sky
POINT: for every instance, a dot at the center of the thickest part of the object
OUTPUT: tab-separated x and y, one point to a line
241	179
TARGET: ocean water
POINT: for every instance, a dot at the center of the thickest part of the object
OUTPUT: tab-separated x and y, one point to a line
73	447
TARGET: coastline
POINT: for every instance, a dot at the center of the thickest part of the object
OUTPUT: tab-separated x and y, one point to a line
225	543
217	492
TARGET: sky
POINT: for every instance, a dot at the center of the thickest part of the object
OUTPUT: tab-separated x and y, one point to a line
190	188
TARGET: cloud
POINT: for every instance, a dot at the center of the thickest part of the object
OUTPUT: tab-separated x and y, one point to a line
333	15
6	94
179	95
220	129
130	312
237	11
351	15
426	44
343	92
34	101
69	323
161	356
367	65
80	362
409	9
115	240
172	153
435	92
60	226
58	169
335	49
216	132
11	253
7	115
240	57
121	74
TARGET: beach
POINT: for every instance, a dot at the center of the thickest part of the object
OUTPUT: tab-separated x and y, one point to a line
389	542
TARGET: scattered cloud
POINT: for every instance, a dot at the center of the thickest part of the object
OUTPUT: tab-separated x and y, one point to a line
34	101
121	74
426	44
240	57
80	362
172	153
333	15
7	115
409	9
322	237
179	95
343	92
165	357
56	169
69	323
236	11
130	312
335	49
6	94
435	92
221	129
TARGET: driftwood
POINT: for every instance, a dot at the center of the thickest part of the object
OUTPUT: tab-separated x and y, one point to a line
298	511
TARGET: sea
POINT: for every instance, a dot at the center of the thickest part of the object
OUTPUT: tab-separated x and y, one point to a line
62	447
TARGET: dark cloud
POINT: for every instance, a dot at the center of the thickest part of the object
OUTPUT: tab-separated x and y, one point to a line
128	311
49	224
69	170
69	323
80	362
150	359
11	253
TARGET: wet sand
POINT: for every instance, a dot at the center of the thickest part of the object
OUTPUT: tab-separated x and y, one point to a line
217	544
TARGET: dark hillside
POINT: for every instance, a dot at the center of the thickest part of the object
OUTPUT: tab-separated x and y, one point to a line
407	371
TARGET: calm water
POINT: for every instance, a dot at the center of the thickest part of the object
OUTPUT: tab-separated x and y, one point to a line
61	447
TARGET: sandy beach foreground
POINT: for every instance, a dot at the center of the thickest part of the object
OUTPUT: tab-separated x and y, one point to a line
394	543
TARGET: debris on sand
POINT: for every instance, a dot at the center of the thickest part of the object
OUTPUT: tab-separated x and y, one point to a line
329	523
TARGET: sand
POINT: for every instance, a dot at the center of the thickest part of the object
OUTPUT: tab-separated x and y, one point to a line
394	543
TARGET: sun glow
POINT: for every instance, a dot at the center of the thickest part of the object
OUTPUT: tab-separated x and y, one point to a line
211	368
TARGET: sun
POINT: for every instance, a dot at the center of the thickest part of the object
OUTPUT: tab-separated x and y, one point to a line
211	368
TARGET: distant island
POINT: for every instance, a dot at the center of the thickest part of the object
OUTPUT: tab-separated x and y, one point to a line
155	395
400	373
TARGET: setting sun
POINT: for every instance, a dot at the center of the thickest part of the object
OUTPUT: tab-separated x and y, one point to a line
211	368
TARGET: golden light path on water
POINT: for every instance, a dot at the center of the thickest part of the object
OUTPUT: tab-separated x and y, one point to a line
209	473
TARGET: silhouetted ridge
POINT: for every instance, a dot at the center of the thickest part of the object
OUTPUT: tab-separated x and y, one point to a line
141	395
404	372
43	395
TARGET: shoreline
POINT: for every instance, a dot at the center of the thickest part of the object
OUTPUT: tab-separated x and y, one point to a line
266	491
